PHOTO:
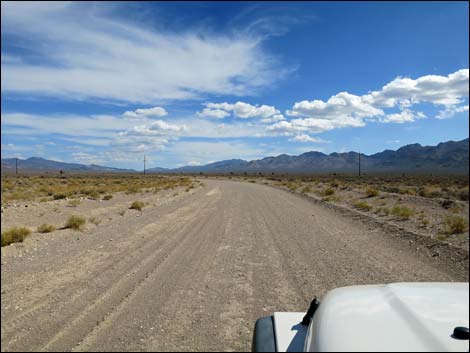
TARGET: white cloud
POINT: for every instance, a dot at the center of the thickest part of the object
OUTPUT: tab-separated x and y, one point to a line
82	53
405	116
266	113
439	90
213	113
313	125
157	128
342	104
307	138
348	110
449	112
145	113
273	119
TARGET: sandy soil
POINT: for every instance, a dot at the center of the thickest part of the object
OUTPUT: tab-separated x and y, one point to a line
192	271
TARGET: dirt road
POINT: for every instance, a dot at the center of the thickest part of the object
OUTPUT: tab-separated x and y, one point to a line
194	274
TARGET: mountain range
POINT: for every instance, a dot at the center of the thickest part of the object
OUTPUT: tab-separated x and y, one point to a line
450	157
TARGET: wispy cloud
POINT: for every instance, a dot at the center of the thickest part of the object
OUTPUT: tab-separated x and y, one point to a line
86	54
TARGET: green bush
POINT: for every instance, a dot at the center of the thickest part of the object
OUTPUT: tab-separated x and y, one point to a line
75	222
14	235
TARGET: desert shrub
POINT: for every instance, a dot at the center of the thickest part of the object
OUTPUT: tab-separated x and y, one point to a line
59	196
107	197
94	195
46	228
455	224
75	222
14	235
371	192
73	203
137	205
306	190
328	192
362	205
402	212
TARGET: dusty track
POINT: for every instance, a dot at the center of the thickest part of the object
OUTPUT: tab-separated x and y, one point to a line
195	274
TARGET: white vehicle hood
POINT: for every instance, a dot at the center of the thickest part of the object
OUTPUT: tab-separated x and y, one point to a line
393	317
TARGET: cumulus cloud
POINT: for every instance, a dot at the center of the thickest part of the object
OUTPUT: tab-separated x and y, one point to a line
80	53
266	113
213	113
404	116
145	113
158	127
313	125
348	110
439	90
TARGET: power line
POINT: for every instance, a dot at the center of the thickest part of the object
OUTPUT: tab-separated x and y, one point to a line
144	164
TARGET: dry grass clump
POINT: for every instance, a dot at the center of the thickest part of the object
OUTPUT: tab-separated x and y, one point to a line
455	224
137	205
402	212
14	235
362	205
46	228
371	192
59	196
73	203
107	197
75	222
328	192
306	189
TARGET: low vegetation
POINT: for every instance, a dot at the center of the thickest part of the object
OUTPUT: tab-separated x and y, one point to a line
362	205
455	224
371	192
14	235
46	228
402	212
55	187
75	222
137	205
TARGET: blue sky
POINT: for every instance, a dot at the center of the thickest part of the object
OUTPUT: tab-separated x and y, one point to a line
195	82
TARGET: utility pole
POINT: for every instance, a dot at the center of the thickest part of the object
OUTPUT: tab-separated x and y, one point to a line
144	164
16	166
359	163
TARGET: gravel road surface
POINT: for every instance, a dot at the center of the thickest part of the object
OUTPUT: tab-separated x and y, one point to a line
195	273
